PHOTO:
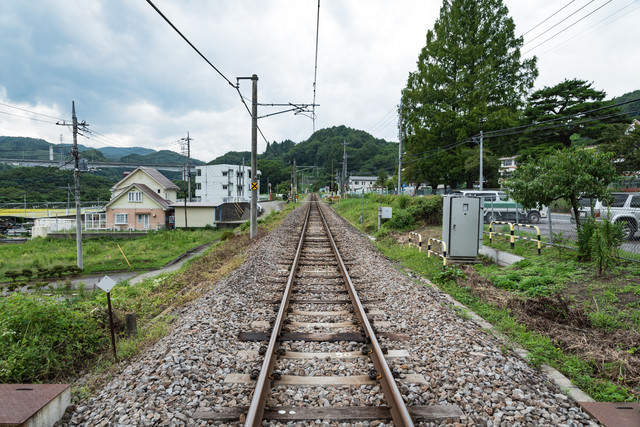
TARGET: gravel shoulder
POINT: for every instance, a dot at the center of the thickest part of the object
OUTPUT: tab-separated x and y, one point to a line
463	364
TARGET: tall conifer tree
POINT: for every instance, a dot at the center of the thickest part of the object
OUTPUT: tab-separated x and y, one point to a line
470	77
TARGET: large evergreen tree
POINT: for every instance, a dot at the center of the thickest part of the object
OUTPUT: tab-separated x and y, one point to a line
470	77
559	112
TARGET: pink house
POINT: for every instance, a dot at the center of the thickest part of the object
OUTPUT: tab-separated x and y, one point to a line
141	201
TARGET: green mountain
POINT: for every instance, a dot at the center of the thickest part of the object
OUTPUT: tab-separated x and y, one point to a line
159	157
320	157
16	147
116	153
633	108
39	184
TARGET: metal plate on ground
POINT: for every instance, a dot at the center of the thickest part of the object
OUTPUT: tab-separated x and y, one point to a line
613	414
20	402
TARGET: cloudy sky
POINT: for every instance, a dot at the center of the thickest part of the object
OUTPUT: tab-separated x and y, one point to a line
137	83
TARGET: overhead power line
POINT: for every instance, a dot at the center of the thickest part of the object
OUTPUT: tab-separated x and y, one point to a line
549	17
597	25
567	27
412	158
30	111
556	24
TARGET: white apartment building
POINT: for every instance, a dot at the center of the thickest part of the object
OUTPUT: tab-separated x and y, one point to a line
224	183
358	183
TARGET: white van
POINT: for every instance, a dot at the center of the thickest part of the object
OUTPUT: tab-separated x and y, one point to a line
497	207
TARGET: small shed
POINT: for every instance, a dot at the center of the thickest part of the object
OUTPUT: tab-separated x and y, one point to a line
201	214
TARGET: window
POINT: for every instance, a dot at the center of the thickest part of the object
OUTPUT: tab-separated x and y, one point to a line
619	200
224	187
121	218
135	196
635	202
198	186
224	173
198	172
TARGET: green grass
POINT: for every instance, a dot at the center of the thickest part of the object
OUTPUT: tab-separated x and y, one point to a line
46	338
536	276
149	252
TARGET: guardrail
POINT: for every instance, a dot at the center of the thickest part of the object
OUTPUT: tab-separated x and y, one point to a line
443	247
419	240
512	236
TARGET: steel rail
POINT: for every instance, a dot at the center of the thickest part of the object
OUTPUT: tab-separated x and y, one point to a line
263	383
398	409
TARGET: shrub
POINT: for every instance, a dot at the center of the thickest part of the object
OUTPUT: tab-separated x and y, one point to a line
42	339
226	235
73	269
427	209
604	244
58	270
400	220
12	274
403	201
27	272
43	272
584	239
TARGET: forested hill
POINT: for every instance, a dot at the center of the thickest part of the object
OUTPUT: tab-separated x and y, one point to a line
324	151
16	147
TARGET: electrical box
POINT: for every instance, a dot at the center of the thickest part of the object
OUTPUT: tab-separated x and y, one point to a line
462	226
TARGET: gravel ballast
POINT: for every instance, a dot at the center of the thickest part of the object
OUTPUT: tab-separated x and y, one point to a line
463	365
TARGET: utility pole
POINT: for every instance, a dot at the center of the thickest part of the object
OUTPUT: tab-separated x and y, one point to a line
331	182
188	153
343	187
76	180
295	182
481	177
400	149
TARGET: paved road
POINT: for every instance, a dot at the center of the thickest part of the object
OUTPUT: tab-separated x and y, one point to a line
562	224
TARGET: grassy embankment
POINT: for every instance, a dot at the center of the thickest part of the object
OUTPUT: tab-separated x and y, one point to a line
555	283
48	337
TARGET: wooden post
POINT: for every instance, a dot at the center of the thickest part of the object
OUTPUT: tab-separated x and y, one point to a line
113	335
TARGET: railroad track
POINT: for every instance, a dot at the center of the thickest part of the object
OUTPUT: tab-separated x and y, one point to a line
325	337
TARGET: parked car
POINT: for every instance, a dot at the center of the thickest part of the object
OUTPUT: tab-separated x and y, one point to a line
623	209
497	207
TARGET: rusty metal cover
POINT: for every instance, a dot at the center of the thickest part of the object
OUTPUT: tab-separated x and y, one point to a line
19	402
613	414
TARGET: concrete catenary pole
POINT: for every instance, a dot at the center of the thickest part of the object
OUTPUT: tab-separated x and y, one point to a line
254	150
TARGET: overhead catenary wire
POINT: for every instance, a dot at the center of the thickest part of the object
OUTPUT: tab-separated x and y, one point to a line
189	43
235	86
315	70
